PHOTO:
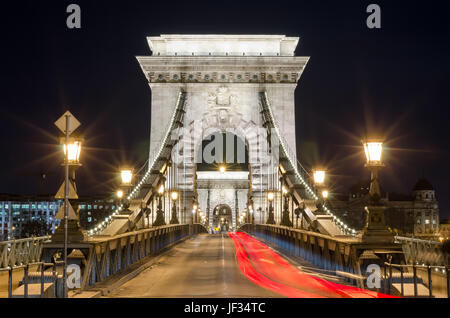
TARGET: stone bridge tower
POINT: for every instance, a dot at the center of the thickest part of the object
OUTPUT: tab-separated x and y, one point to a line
222	77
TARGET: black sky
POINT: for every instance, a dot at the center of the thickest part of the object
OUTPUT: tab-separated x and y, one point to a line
358	80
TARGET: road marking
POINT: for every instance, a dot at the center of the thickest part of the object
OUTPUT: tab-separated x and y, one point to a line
224	281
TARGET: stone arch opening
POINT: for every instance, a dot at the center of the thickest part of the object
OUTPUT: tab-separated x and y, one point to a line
223	148
222	218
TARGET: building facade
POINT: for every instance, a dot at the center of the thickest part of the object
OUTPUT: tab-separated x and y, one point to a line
19	213
415	214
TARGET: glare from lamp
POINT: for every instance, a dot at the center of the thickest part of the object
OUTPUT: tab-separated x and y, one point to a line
126	175
74	151
373	151
319	176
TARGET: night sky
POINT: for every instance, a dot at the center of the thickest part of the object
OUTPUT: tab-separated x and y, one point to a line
392	81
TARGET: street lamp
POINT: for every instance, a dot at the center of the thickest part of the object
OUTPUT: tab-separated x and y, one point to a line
271	217
250	212
285	220
174	219
72	149
375	228
319	177
373	149
126	175
319	183
222	169
159	212
67	124
194	211
119	194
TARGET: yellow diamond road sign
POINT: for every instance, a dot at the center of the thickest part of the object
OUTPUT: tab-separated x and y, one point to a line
71	213
73	123
72	193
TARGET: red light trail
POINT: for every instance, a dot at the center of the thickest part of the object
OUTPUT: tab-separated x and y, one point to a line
269	270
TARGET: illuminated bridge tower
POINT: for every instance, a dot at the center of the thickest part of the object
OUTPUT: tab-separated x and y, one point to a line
222	78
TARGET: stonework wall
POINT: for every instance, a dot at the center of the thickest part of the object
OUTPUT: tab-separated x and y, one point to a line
222	77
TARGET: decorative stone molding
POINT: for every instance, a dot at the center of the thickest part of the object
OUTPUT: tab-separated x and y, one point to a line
284	70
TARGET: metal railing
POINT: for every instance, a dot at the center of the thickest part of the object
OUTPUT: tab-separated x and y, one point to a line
337	254
435	280
109	256
20	252
41	277
419	251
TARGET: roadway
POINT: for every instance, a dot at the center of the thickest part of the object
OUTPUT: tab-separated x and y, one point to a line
231	265
203	266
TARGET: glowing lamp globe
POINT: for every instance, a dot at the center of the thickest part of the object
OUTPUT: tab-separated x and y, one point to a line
319	177
72	149
222	169
126	175
161	190
270	196
119	194
174	195
373	150
325	194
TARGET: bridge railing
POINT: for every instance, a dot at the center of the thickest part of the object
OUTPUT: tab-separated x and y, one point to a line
416	280
109	256
343	257
338	254
20	252
419	251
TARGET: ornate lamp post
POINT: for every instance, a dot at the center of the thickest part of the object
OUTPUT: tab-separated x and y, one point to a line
159	212
250	212
194	212
271	218
126	176
375	228
285	220
373	149
319	183
174	219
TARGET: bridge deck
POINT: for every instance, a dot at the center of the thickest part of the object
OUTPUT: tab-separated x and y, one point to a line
204	266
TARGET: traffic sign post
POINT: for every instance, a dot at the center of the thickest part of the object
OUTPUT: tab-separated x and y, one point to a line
67	123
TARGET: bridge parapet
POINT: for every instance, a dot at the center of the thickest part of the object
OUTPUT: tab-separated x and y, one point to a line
109	255
419	251
334	253
23	251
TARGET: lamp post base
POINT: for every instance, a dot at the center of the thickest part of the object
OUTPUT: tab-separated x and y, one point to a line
376	229
174	219
285	220
74	233
159	218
